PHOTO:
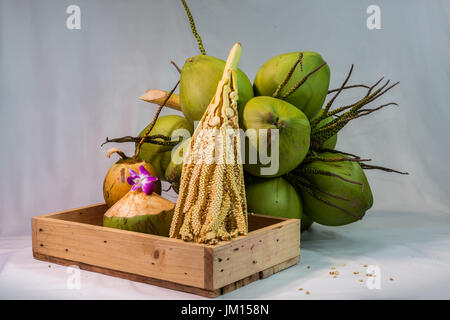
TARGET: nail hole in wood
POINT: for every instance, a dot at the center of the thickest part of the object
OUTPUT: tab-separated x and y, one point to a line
236	249
105	241
153	263
81	213
185	273
228	259
278	240
67	250
220	259
254	261
40	230
221	270
41	245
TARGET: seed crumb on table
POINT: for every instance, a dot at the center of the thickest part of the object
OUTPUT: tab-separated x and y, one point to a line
307	292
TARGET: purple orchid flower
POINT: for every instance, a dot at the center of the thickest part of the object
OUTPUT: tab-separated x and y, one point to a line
142	180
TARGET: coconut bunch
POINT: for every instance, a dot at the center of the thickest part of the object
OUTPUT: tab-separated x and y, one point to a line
289	124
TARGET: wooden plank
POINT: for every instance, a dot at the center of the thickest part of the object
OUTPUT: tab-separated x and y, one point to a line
141	254
257	221
279	267
92	214
129	276
259	250
168	284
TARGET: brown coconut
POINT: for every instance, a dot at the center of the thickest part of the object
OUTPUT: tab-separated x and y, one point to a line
115	185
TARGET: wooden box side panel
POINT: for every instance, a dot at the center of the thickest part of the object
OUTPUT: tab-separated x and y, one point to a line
92	214
258	251
137	253
258	221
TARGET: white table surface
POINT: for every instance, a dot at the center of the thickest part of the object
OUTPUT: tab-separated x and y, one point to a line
411	248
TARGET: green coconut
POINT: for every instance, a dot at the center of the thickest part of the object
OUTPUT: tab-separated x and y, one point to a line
159	155
139	212
356	196
306	222
262	113
174	169
310	96
331	142
199	78
273	197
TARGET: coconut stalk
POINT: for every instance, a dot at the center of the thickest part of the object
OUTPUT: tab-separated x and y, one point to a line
212	205
344	114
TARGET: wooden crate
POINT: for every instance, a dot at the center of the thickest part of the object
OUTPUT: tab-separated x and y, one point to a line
77	237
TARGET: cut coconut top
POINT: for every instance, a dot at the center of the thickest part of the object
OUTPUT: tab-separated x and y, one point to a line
137	203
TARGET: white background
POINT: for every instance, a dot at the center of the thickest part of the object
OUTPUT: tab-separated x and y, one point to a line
62	92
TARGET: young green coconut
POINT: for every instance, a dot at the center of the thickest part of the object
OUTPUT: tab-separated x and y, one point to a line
159	155
300	78
262	114
175	167
115	184
275	197
141	209
334	189
200	76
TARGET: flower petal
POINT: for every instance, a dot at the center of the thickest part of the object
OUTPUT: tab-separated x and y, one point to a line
135	187
133	173
130	180
143	172
147	187
151	178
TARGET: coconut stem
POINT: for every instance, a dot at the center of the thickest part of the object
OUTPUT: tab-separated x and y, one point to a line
193	28
167	141
309	188
369	166
318	158
330	103
176	66
326	173
289	75
150	127
350	87
116	150
325	132
302	81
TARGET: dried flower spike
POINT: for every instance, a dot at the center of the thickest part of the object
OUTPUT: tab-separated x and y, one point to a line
212	205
